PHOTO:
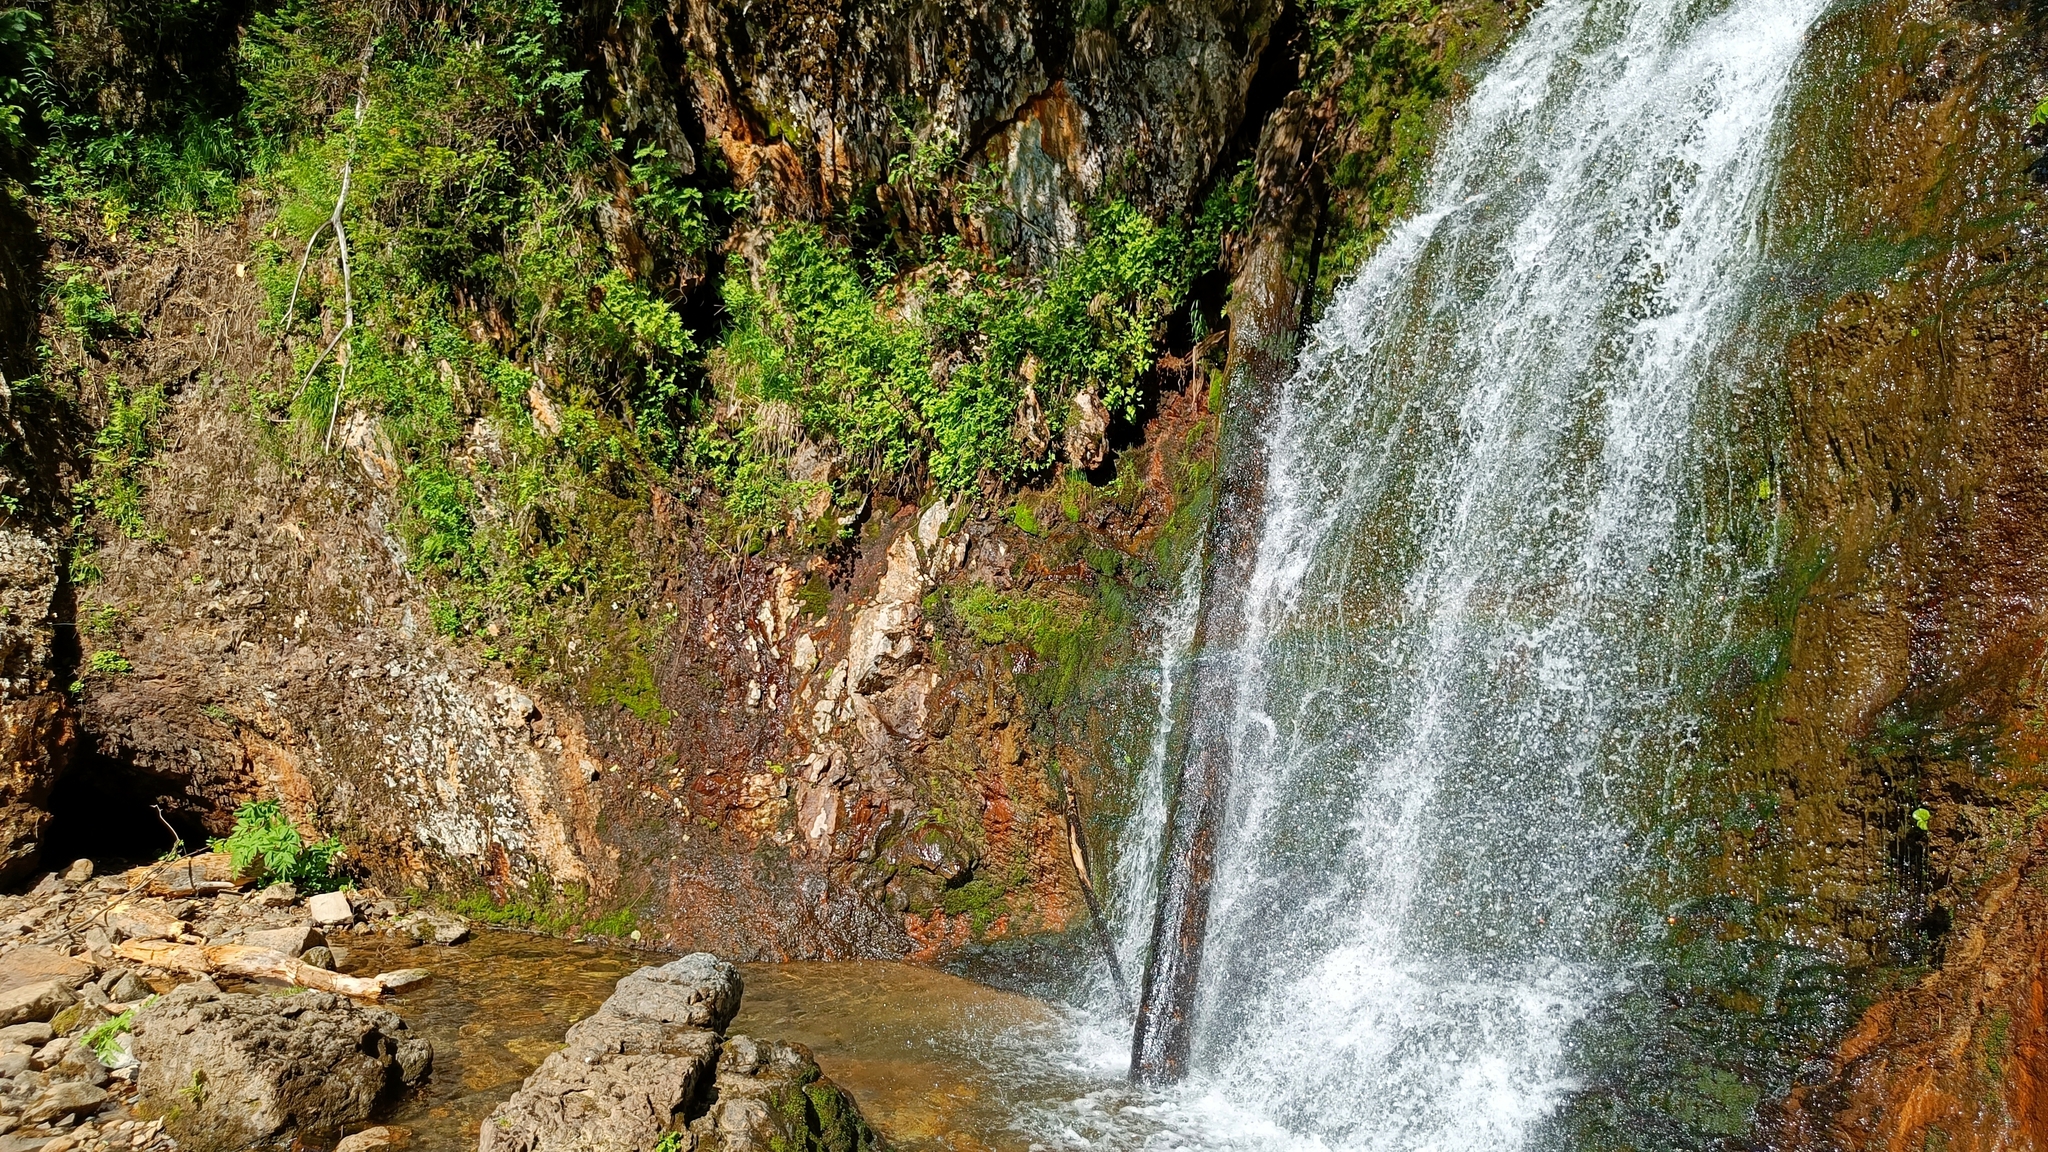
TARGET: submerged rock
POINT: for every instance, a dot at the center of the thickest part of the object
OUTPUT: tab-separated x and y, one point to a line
650	1067
227	1071
428	926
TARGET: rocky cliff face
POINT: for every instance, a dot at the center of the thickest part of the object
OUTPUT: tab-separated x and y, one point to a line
1896	745
36	721
864	747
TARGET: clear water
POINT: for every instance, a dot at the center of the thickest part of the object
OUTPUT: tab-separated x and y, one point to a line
1480	585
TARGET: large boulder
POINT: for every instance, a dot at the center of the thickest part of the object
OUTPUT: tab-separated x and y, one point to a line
228	1071
649	1069
628	1073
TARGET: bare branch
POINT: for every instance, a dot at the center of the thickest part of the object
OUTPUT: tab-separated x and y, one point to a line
300	278
348	291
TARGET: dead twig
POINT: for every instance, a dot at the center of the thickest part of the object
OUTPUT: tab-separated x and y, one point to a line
335	224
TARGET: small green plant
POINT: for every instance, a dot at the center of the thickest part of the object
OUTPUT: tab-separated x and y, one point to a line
104	1037
108	662
263	832
121	451
24	51
84	307
100	619
1922	818
671	1142
667	201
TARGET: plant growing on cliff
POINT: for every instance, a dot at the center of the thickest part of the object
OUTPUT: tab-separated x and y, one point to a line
121	451
959	371
24	52
264	833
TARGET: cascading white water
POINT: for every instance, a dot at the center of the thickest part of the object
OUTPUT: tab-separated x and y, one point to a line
1476	584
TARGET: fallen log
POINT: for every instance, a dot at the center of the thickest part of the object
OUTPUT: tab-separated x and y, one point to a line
244	960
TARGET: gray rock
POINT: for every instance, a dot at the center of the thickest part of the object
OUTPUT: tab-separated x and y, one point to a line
649	1063
36	1034
290	941
79	872
229	1071
64	1098
319	956
128	989
372	1138
403	980
630	1071
48	1055
35	1002
80	1063
428	926
770	1096
278	896
699	990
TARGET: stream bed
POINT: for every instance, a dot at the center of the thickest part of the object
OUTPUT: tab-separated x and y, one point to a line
935	1061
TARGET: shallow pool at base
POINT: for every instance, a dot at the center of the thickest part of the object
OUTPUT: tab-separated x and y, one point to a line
935	1061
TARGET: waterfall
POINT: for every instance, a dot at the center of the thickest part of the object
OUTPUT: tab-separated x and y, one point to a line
1458	641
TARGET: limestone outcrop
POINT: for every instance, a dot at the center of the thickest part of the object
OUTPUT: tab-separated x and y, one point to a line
651	1068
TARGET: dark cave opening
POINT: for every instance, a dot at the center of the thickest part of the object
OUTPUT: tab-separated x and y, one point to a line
117	816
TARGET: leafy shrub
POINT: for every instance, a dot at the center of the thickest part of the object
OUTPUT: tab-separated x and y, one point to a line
853	351
24	53
84	308
264	833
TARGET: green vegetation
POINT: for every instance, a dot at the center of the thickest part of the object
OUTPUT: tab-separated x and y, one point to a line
132	109
1387	67
564	911
120	454
839	352
980	899
532	389
533	380
264	833
108	662
84	308
24	53
104	1037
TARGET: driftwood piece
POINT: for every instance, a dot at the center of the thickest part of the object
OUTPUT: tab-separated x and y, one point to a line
243	960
